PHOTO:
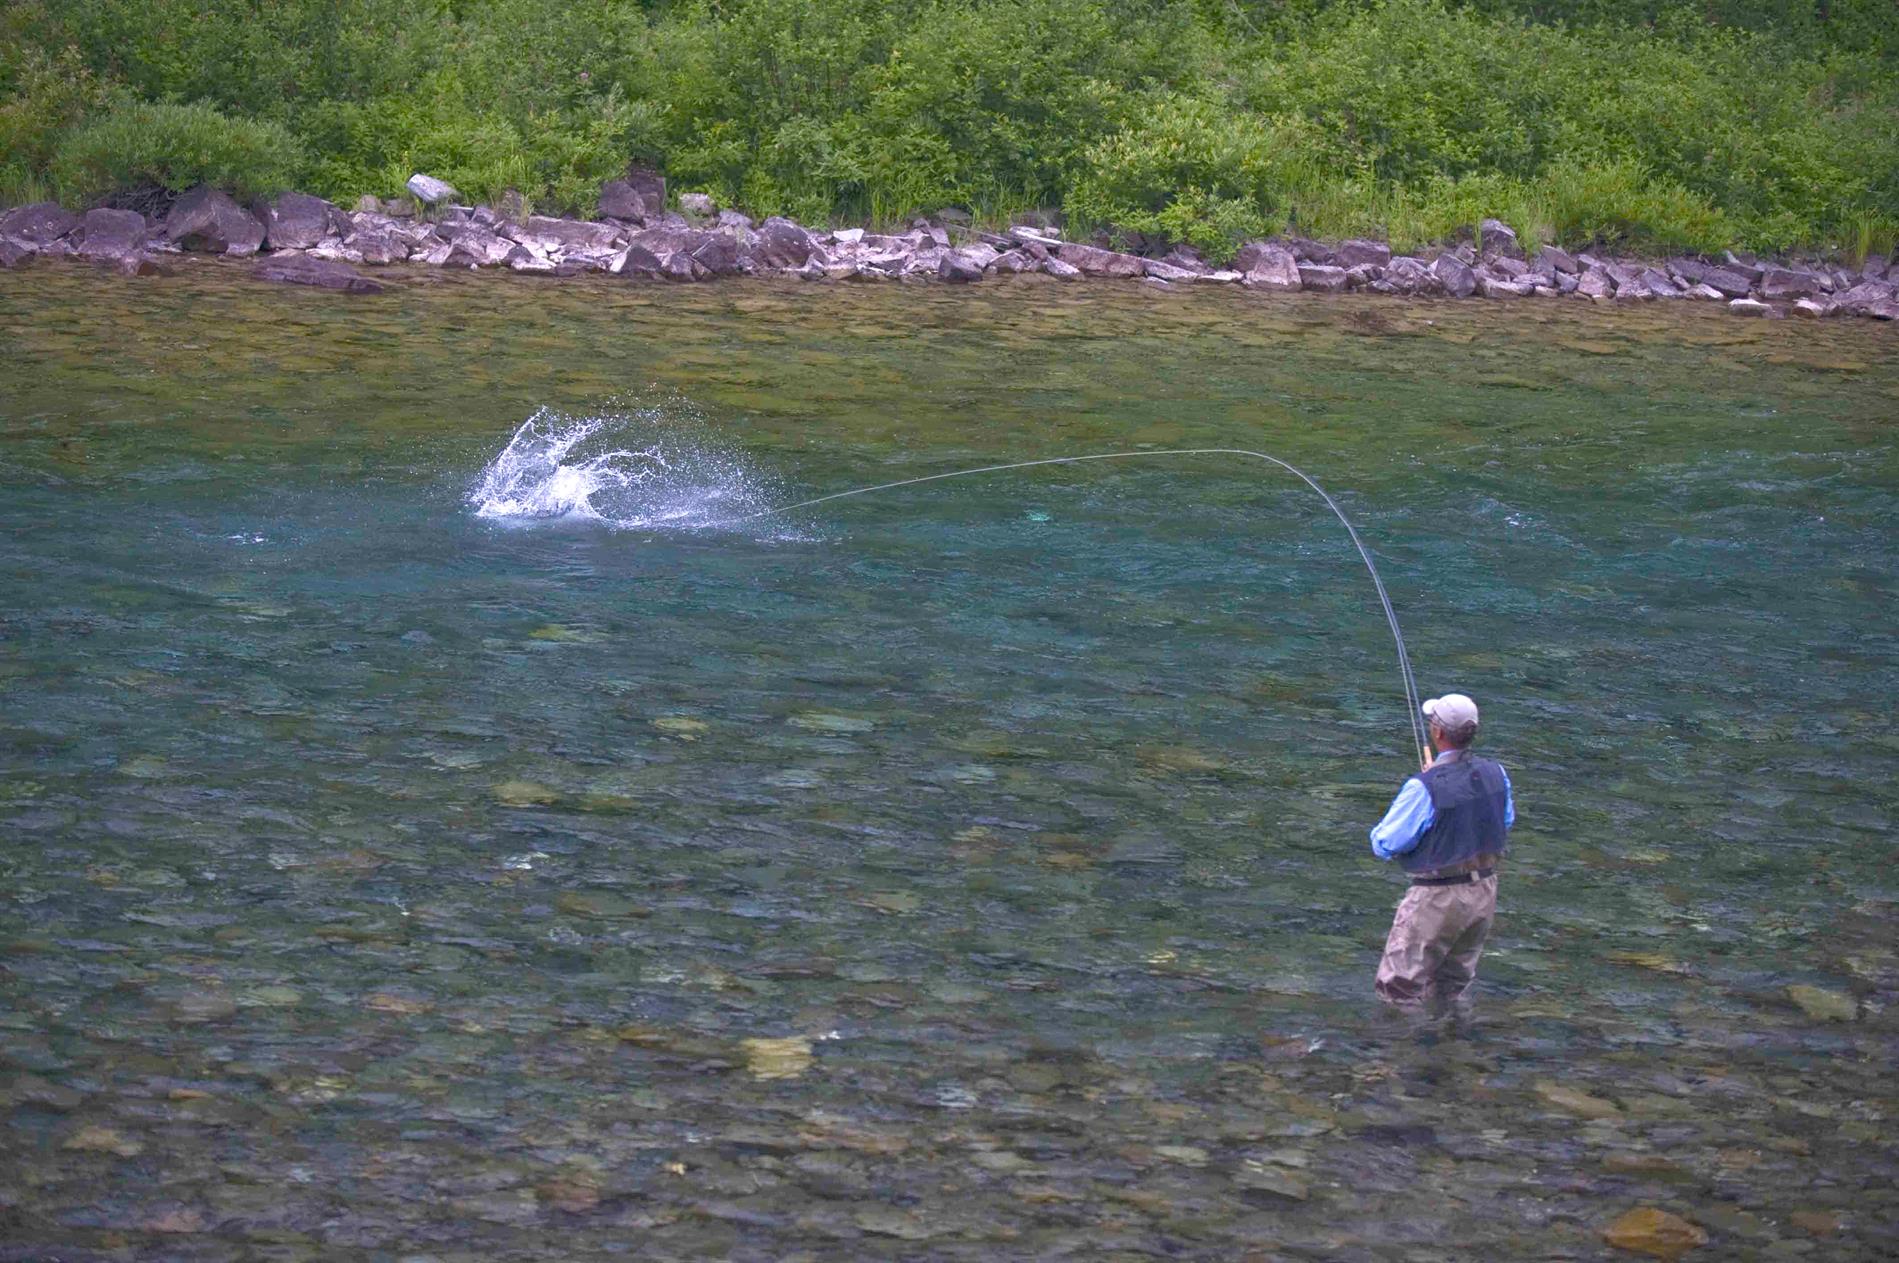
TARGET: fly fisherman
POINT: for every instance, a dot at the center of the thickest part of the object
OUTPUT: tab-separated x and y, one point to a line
1447	828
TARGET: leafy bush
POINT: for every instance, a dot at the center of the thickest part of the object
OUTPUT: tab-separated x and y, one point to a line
176	147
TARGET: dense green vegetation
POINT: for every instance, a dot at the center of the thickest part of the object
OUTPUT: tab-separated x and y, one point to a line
1767	124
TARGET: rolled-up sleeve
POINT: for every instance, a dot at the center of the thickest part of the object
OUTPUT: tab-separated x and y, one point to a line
1410	815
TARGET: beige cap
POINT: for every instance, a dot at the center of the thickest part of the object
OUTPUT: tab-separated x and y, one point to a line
1453	710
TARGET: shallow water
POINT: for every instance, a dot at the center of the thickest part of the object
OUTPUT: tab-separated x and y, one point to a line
972	871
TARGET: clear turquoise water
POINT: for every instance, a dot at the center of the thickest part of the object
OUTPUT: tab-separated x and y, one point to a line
383	880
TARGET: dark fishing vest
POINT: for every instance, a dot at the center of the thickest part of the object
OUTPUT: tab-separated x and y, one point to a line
1467	798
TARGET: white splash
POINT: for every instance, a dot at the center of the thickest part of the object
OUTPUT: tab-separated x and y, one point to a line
561	468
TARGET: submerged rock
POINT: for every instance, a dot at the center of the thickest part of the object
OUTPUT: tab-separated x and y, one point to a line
1654	1232
1823	1005
1576	1101
301	269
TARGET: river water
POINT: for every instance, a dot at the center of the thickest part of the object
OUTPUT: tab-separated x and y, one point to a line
973	871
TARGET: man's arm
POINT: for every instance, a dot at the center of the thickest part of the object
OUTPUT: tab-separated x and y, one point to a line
1410	815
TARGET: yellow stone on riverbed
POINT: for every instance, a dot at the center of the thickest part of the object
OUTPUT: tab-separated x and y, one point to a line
1654	1232
1576	1101
523	794
684	727
103	1140
1822	1005
785	1058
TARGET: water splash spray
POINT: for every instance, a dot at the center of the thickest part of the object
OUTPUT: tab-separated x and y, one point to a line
1413	706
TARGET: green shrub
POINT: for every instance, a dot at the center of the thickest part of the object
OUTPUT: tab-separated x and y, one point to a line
177	147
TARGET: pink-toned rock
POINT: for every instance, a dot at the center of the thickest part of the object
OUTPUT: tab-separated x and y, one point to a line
1094	261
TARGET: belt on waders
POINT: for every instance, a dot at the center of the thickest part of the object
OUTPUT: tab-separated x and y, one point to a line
1462	879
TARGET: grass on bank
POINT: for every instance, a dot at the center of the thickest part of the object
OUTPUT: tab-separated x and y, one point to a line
1722	123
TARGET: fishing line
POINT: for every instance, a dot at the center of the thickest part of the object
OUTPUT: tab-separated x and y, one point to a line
1412	705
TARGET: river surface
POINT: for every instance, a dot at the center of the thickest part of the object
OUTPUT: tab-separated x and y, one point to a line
971	871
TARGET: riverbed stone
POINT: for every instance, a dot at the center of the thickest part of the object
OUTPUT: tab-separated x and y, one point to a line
1815	307
1823	1004
1406	275
1323	278
1454	275
1504	287
112	235
1862	298
430	191
1750	307
1789	283
1360	251
1595	283
1705	293
957	267
301	269
1659	283
38	223
1559	259
1164	271
639	197
297	221
1094	261
565	233
207	219
13	253
378	245
1267	265
477	248
1654	1232
782	244
1061	271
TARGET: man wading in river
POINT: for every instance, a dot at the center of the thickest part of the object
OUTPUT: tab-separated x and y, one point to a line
1447	827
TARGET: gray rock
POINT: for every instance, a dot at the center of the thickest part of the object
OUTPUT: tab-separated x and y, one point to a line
678	266
1745	267
1358	252
1596	283
1187	259
637	262
733	221
1750	307
1503	287
1454	275
1512	269
112	235
207	219
639	197
297	221
1406	275
478	248
1267	265
1567	283
1658	283
1701	292
1164	271
1560	260
38	224
1017	261
698	204
1885	310
14	253
567	233
1817	306
522	259
1323	278
378	245
1063	271
1729	282
1788	283
1036	237
813	270
1497	237
783	244
1094	261
957	267
1862	298
301	269
430	191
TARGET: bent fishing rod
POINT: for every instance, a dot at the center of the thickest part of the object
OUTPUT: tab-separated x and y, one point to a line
1412	704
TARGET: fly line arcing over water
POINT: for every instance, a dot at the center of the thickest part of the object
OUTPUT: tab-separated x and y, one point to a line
1412	704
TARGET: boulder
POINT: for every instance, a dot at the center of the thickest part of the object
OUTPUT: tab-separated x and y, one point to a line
1702	292
1497	237
783	244
378	245
1729	282
522	259
112	235
1062	271
637	261
1094	261
1164	271
430	191
698	204
565	233
301	269
1187	259
1750	307
1503	287
957	267
1596	283
477	248
1752	270
813	270
1652	1231
1659	283
678	266
1322	277
297	221
1454	275
38	224
1862	298
1820	306
1358	252
1268	266
1560	260
1017	261
14	253
717	254
1406	275
1788	283
639	197
1511	269
207	219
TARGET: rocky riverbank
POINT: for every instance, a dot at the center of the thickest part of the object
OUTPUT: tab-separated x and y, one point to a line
305	240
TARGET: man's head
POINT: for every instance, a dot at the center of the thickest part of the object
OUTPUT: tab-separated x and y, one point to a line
1453	721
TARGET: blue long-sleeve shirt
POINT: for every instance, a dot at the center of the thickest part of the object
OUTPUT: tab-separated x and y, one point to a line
1411	814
